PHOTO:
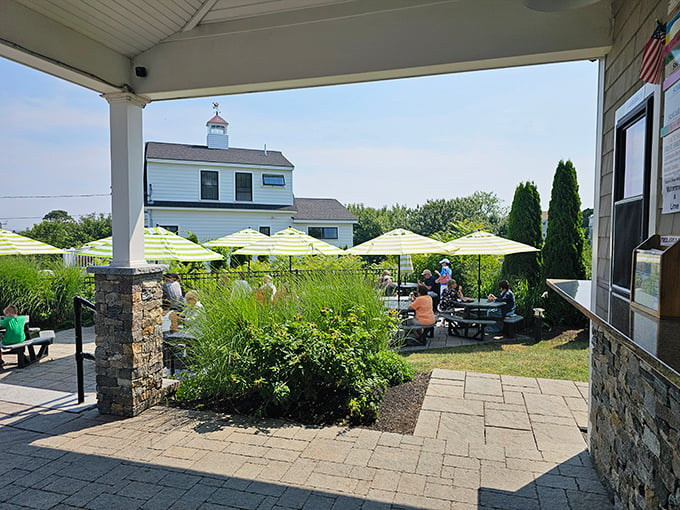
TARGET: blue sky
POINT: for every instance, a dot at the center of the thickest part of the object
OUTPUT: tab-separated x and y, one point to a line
380	143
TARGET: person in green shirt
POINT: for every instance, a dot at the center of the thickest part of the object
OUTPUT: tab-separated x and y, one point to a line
14	327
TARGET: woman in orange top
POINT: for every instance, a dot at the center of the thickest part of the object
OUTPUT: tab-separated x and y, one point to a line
422	305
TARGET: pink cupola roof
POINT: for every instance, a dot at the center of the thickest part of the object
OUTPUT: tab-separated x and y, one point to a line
217	120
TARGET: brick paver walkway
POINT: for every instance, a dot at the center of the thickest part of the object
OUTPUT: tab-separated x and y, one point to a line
482	442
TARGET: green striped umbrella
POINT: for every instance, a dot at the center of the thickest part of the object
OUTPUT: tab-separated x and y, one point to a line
400	242
405	264
14	244
484	243
237	239
290	242
159	244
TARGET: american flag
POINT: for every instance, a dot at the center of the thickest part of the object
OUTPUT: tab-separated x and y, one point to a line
652	56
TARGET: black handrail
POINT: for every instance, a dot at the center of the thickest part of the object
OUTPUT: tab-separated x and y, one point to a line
78	303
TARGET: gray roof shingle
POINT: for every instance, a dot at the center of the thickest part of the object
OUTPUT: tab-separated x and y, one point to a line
321	209
184	152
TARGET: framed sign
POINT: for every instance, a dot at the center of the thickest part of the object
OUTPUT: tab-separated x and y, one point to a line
655	277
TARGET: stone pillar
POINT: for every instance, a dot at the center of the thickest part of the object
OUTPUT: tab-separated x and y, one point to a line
129	342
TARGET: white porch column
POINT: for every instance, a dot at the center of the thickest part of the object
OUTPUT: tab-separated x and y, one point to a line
127	178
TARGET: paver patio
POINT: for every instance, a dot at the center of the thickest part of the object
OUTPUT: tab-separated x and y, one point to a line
482	441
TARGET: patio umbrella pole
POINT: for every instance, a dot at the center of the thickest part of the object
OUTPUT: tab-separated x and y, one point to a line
479	277
398	284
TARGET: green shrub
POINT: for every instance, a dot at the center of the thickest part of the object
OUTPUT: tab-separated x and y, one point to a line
318	353
43	289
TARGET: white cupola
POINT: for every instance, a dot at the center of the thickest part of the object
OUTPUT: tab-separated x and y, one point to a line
217	131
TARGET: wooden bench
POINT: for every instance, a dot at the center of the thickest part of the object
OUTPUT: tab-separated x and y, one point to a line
25	350
456	323
509	322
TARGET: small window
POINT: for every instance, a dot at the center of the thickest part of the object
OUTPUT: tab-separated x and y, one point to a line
266	231
273	180
209	185
172	228
217	130
323	232
244	187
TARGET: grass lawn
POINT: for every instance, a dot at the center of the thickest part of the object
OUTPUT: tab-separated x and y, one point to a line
564	356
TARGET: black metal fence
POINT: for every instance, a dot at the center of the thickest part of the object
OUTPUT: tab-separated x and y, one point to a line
280	274
188	279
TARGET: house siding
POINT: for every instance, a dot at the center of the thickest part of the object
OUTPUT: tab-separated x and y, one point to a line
633	422
182	182
211	224
345	232
633	23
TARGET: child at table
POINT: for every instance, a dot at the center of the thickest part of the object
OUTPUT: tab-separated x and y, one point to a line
14	327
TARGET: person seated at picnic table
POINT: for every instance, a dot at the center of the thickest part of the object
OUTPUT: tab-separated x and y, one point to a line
422	306
386	283
266	291
170	322
430	282
14	327
240	287
173	296
450	297
506	297
193	306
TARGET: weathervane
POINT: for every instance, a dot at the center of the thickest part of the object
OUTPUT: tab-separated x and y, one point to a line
216	107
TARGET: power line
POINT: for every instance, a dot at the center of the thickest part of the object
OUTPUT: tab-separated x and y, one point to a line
3	218
86	195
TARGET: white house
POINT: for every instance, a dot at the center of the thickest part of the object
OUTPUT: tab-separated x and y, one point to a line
215	190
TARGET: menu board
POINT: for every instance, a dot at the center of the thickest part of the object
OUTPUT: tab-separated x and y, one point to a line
671	173
670	162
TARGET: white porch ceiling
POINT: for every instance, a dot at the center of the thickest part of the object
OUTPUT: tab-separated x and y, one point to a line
195	48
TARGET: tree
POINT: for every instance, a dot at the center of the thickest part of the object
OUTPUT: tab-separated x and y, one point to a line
444	215
93	226
524	226
563	252
587	213
368	225
57	215
61	230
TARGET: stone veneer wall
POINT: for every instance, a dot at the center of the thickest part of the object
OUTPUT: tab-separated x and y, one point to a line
634	425
129	342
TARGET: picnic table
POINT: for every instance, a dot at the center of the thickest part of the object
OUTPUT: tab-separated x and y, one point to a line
25	351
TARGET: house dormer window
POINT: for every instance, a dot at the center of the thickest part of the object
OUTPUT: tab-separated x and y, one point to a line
273	180
244	187
209	185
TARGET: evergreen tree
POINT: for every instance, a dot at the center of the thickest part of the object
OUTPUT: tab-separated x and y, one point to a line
563	252
524	226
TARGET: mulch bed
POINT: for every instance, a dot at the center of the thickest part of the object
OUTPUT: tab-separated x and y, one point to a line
401	406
